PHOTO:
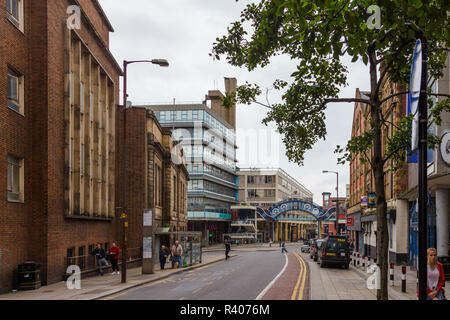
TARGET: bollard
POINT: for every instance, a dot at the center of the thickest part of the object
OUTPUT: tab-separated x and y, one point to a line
368	262
358	260
391	275
354	260
404	278
364	263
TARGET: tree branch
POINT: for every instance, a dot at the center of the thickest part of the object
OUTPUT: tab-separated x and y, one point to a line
393	95
346	100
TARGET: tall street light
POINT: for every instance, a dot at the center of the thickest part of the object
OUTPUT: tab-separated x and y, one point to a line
337	198
161	63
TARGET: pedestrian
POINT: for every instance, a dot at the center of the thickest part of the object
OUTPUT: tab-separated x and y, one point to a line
283	247
100	255
163	254
227	249
435	277
270	242
177	252
114	258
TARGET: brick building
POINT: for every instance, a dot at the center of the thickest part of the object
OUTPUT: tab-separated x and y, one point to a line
156	179
59	90
361	214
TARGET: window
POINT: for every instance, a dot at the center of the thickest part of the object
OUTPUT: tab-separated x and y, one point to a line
14	9
174	193
251	193
81	257
15	91
15	179
250	179
71	259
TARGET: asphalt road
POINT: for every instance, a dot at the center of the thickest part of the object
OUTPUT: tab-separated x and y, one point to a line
240	278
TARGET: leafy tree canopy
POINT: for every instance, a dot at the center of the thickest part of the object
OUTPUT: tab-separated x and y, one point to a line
318	35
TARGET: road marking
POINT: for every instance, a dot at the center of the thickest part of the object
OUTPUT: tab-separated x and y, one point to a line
294	293
259	297
300	285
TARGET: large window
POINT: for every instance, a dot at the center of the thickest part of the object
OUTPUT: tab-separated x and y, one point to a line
15	179
15	91
14	9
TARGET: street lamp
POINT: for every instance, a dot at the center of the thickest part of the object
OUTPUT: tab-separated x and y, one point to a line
337	197
161	63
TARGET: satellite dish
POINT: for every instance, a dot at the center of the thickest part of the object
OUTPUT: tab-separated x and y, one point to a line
414	92
445	148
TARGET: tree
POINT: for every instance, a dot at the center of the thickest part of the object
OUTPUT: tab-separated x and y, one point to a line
319	34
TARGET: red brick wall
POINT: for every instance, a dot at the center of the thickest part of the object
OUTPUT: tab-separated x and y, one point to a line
37	230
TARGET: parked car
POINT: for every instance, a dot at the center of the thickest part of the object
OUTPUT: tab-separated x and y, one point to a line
305	247
315	247
334	251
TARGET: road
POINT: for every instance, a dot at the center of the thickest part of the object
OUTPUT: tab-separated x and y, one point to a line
258	274
242	277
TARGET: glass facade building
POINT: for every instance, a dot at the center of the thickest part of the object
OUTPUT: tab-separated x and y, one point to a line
209	145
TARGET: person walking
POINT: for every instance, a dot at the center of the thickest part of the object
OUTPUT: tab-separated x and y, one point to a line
227	249
114	252
177	252
435	276
283	247
100	255
163	254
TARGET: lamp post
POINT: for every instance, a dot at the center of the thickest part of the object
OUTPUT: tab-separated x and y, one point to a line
162	63
337	197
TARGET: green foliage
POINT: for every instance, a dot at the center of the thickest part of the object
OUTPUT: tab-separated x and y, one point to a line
319	34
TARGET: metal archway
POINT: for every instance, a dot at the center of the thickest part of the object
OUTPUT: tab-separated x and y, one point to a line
297	205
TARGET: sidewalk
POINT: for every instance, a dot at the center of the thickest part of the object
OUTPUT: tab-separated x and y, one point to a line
395	292
97	287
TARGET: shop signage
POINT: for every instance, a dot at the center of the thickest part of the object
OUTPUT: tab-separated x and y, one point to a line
372	200
364	201
350	221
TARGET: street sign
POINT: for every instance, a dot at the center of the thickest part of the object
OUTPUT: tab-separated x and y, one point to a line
372	200
414	92
148	218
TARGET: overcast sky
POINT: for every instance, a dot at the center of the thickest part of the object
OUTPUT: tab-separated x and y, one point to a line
183	31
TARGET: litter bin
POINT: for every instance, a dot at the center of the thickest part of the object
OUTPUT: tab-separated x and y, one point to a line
29	274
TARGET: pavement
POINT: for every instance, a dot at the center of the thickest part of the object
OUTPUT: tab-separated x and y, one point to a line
395	291
97	287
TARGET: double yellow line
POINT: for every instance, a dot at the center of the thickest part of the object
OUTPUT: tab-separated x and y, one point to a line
301	281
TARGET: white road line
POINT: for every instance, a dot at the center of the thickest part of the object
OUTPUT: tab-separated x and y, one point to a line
259	297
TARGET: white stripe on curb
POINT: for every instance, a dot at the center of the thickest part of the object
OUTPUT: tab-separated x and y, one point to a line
259	297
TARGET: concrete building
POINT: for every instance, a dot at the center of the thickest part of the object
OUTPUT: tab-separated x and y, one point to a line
59	90
265	188
207	135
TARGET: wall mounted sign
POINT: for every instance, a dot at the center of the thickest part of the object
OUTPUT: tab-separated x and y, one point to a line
364	201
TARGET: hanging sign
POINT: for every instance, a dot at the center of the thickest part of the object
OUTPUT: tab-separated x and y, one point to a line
414	92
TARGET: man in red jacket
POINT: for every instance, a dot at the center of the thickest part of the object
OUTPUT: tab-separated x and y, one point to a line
114	255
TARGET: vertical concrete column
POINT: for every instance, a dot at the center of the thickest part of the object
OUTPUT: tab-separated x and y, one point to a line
402	231
442	213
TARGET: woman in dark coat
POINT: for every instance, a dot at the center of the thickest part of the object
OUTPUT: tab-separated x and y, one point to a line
163	254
